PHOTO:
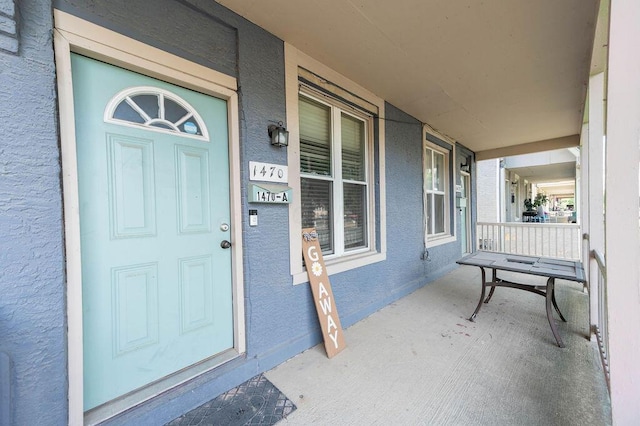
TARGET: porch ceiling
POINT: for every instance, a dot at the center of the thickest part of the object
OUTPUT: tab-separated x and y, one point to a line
489	74
557	172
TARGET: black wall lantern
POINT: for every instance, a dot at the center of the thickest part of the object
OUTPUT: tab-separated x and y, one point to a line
465	167
278	134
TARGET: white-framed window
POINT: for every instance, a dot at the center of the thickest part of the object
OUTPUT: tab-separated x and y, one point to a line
335	165
356	232
437	193
155	109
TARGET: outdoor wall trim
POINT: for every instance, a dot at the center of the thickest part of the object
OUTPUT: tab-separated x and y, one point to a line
530	147
72	34
336	90
436	140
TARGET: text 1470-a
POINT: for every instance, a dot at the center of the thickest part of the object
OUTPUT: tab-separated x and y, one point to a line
273	197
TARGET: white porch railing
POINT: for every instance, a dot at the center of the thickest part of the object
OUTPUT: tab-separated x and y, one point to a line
559	240
601	327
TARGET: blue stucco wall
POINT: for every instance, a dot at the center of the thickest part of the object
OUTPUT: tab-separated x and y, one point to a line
280	318
363	291
174	26
32	294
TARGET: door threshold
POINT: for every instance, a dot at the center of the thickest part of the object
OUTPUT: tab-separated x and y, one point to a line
134	398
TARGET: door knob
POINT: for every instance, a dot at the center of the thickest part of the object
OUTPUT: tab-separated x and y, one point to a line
225	244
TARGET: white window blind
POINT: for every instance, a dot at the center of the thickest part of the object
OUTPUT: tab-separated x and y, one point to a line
435	192
315	137
334	175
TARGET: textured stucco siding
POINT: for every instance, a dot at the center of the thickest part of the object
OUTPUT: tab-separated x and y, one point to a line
9	39
32	301
363	291
174	26
280	317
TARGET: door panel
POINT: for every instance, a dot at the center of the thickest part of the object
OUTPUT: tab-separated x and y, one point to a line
157	290
131	181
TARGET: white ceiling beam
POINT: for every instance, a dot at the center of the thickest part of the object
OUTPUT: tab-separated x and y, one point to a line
530	147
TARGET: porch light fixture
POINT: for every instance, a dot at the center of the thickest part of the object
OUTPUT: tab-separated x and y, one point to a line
465	167
278	134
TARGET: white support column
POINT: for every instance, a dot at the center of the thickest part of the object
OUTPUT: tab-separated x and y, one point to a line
488	184
582	200
595	213
583	205
622	191
502	195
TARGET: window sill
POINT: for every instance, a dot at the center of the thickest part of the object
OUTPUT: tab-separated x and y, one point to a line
437	241
346	263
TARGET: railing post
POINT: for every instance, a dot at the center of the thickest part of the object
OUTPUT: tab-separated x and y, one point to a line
602	325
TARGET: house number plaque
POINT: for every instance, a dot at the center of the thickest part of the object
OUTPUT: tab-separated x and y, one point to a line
267	172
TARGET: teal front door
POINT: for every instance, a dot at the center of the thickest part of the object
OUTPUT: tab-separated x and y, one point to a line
153	178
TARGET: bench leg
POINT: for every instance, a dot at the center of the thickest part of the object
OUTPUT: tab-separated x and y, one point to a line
551	302
555	305
484	287
494	278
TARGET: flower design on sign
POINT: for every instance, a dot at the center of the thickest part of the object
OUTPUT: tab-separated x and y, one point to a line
316	268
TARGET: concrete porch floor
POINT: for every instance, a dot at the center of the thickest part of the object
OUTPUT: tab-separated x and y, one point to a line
420	361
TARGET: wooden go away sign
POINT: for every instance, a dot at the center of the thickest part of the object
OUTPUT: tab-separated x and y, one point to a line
322	294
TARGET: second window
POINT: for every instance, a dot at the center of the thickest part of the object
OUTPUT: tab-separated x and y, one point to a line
435	192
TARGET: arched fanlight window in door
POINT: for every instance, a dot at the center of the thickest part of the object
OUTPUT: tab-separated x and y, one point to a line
155	109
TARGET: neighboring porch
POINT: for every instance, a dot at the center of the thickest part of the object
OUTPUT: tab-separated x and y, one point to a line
560	240
420	361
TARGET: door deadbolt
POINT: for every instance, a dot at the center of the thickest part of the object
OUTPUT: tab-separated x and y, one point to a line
224	227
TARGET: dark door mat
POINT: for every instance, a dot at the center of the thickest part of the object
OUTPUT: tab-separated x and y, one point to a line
255	402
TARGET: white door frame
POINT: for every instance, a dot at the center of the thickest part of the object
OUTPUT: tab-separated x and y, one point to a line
72	34
467	194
